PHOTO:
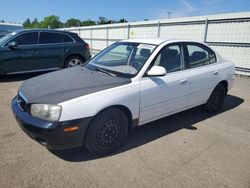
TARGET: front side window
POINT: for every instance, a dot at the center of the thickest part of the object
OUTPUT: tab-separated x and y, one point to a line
26	38
122	58
199	55
170	58
7	37
53	38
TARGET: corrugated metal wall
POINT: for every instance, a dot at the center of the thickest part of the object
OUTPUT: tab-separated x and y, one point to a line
229	34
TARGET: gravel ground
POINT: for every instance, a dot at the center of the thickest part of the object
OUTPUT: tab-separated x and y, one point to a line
189	149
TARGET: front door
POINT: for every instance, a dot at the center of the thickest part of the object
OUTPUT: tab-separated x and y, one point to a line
165	95
23	57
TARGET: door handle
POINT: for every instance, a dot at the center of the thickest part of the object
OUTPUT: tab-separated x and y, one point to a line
216	72
183	81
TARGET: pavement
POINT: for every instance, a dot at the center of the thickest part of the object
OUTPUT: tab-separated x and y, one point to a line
189	149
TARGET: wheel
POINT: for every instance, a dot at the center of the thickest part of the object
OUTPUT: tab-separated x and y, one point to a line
107	132
73	61
216	99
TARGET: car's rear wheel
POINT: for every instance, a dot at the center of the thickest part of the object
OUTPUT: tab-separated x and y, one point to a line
107	132
216	99
73	61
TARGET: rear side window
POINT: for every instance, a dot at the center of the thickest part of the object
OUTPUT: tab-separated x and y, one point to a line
53	38
27	38
199	55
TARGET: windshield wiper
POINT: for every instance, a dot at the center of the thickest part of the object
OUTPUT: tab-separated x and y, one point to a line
103	71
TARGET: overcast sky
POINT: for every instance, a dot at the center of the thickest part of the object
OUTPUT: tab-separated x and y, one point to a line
132	10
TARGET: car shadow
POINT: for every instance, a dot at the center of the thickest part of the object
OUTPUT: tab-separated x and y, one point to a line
154	130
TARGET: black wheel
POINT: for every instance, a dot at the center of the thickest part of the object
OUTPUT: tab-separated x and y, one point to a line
73	61
216	99
107	132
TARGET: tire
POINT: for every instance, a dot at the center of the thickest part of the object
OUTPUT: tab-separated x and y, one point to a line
216	99
107	132
73	61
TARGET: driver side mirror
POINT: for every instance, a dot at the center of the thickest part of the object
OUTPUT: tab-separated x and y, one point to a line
157	71
12	44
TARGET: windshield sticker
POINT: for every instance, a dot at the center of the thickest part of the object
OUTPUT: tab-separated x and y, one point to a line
146	46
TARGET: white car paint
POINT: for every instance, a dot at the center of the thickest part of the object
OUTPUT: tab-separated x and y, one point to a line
151	98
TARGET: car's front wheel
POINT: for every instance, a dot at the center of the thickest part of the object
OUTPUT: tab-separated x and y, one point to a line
107	132
216	99
73	61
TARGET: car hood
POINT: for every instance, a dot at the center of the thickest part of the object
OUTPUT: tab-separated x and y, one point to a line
66	84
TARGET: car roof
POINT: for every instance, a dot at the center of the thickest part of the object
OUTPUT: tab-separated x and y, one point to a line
75	36
157	41
46	30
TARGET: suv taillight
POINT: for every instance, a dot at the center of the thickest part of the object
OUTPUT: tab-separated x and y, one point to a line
87	46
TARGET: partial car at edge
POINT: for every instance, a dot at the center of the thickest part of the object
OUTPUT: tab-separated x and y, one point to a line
26	51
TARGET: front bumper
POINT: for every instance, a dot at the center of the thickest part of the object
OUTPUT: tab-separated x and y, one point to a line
50	134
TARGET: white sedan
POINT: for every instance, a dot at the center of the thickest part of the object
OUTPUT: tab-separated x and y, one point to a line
128	84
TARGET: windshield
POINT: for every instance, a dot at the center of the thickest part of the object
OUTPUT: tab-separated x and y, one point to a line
123	59
6	37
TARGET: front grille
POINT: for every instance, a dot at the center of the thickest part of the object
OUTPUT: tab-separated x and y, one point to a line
21	101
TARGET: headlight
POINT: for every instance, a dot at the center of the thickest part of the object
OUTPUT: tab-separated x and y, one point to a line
46	111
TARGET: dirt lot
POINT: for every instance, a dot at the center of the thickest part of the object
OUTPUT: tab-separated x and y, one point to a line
190	149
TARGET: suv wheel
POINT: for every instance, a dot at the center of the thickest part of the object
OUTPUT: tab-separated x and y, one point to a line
73	61
107	132
216	99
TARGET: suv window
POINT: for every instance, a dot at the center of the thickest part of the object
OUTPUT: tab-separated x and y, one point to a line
199	55
170	58
52	38
26	38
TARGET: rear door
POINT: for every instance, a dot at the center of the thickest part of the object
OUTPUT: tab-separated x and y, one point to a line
22	58
53	49
201	72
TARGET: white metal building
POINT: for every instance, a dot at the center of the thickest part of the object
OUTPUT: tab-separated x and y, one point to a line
229	34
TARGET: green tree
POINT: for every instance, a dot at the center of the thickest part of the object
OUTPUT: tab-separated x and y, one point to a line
72	22
27	23
123	20
52	22
87	23
102	20
35	23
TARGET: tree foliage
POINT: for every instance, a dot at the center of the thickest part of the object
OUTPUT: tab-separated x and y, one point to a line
27	23
88	22
53	22
72	23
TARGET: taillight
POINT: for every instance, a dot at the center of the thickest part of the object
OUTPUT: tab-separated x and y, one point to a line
87	46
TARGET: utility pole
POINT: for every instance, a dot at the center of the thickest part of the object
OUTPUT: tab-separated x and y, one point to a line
169	14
